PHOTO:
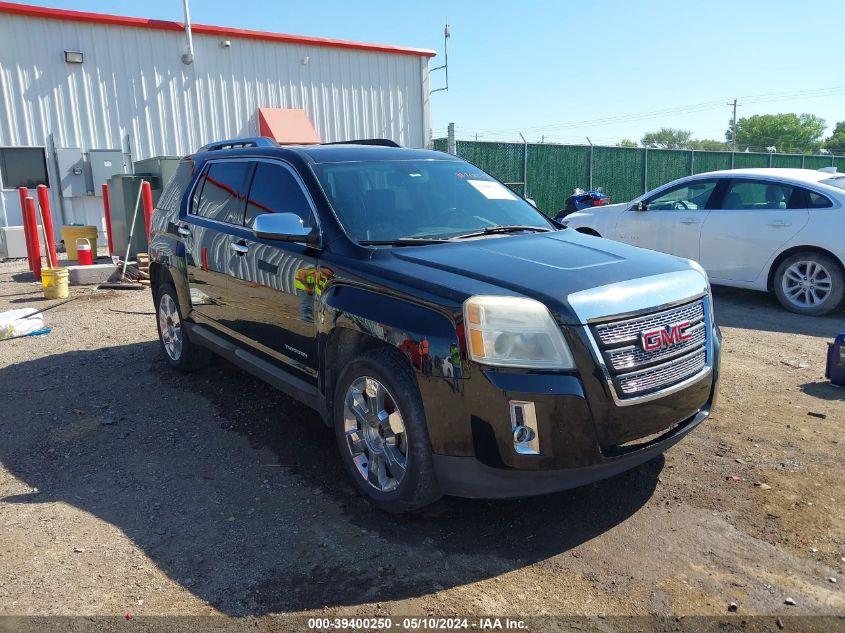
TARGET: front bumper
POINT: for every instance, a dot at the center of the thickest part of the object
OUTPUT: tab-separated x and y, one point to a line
468	477
584	436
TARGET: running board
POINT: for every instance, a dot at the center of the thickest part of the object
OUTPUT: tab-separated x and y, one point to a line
295	387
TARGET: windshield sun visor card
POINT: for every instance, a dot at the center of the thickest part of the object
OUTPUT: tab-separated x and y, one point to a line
492	190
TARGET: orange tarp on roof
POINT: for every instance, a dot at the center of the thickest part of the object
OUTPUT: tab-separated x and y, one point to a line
288	126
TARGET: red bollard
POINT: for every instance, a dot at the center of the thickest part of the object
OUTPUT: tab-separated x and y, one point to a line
147	195
27	231
107	213
29	212
47	220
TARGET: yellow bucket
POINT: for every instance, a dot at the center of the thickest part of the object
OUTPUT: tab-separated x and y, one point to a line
72	233
54	282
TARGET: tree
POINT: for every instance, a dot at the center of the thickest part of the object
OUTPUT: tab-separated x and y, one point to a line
626	142
836	141
787	132
709	144
667	138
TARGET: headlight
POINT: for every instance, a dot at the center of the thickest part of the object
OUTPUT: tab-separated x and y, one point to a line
514	332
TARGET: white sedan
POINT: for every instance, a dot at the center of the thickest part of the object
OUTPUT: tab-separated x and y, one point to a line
776	230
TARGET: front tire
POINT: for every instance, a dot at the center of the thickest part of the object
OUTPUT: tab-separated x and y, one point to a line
381	432
809	283
178	349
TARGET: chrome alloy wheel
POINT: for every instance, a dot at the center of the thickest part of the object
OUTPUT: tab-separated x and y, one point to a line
806	284
375	433
170	326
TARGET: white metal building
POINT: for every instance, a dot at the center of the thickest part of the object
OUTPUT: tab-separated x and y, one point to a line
73	83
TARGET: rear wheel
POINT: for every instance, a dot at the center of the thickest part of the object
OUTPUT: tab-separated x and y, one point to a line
810	283
381	432
178	349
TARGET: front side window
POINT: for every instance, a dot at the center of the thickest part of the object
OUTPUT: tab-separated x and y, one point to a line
23	167
391	200
760	195
688	196
223	193
275	190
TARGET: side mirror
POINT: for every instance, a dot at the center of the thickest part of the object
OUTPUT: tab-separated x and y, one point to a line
284	227
639	206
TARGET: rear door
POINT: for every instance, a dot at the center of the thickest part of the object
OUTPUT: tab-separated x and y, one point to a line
214	214
274	284
755	218
671	219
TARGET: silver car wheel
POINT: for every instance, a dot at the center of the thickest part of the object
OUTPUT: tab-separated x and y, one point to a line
806	284
170	326
375	434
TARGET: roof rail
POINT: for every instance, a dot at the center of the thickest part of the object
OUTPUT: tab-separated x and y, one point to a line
252	141
384	142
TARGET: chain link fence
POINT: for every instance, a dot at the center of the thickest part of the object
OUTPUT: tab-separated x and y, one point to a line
548	173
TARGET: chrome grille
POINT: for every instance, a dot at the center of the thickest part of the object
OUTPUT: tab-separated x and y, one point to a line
635	371
629	329
634	356
662	375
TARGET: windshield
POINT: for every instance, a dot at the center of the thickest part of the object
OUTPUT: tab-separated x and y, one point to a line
392	200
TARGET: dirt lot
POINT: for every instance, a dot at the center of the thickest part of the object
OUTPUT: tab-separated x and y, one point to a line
125	487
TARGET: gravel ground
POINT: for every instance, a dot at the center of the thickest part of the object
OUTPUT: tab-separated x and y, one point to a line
128	488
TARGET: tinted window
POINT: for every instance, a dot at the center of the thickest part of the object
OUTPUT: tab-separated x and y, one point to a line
759	195
275	190
691	195
816	200
387	200
223	192
23	167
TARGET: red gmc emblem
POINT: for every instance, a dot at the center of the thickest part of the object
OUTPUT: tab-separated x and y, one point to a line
659	338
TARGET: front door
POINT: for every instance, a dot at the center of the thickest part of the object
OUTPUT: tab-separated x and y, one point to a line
274	284
215	210
671	220
755	218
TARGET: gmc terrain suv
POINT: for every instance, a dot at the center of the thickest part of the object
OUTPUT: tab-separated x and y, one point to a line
456	339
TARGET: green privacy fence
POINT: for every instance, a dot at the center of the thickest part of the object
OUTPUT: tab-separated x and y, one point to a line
548	173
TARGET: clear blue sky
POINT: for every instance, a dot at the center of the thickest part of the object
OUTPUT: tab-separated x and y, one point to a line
568	69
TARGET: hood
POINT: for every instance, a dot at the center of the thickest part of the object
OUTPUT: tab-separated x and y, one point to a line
548	267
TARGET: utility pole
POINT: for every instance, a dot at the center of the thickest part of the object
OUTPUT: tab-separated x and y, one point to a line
450	140
733	124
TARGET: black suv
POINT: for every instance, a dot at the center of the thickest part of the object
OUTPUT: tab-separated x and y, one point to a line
457	340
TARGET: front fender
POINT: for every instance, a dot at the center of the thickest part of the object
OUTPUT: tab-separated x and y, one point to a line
169	254
408	326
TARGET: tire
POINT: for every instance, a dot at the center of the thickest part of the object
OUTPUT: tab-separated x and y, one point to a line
178	349
809	283
404	479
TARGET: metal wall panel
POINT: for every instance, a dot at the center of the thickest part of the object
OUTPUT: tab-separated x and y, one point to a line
132	89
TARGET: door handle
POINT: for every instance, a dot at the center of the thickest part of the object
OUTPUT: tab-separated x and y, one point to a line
690	221
239	247
184	231
780	224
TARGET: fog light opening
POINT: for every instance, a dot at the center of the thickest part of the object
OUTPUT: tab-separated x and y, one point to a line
526	439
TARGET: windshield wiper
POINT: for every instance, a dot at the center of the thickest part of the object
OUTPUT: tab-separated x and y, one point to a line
404	241
504	228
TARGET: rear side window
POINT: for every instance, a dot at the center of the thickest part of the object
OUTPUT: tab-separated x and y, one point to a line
175	189
275	190
816	200
745	195
223	193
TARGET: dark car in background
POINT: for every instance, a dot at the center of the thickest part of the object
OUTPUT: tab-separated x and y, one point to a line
453	337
